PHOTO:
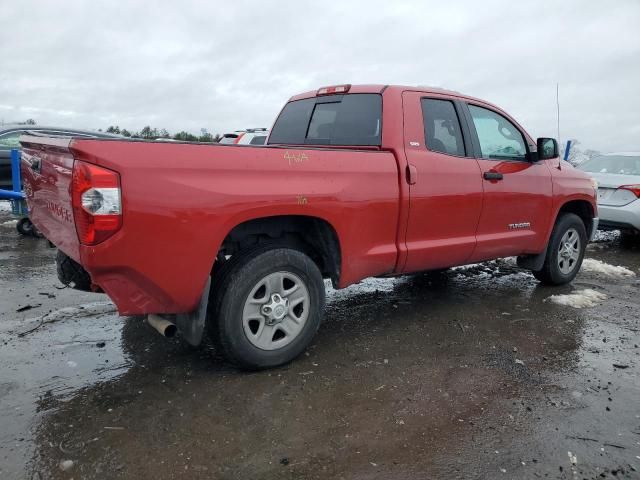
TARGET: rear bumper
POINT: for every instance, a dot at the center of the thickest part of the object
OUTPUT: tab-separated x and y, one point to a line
151	266
136	289
626	217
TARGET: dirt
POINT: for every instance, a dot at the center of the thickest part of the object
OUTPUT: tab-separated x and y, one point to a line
473	373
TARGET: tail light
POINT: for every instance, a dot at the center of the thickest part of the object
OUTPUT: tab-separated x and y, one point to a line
635	189
96	201
333	90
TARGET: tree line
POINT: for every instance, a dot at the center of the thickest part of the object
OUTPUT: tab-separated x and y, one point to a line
152	133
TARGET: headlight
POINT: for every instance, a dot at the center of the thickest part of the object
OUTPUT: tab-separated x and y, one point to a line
594	183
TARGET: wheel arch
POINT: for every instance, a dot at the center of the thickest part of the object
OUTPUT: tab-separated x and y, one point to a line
583	209
313	235
579	206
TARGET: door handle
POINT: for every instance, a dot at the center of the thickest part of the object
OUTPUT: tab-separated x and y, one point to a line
412	174
492	175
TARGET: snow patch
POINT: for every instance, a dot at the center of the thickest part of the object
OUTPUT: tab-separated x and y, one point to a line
596	266
507	261
510	261
467	267
579	299
5	206
9	223
606	236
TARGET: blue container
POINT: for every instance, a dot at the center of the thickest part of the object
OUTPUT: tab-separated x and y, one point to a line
16	196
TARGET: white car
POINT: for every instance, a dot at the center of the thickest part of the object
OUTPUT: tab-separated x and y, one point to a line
250	136
618	177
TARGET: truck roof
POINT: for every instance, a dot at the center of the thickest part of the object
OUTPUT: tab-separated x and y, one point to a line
378	88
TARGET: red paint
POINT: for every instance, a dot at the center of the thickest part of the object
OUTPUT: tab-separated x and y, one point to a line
395	209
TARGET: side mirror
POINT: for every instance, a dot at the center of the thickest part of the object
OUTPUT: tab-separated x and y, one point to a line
547	148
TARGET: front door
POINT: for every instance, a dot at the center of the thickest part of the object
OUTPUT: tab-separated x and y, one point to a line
517	192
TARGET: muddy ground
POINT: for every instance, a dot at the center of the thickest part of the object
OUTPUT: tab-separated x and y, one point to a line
476	373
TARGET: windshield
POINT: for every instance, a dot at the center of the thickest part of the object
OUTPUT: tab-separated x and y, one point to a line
618	164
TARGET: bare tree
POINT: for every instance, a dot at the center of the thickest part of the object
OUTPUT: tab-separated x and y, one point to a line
576	154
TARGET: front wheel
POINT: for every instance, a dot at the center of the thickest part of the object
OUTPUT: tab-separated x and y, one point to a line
565	251
268	305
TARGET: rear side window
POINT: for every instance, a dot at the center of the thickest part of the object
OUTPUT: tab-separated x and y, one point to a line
442	127
258	140
354	119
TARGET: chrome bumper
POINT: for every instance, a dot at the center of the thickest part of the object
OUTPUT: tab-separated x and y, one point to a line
594	228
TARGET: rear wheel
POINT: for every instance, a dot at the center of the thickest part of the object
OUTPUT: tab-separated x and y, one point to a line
25	227
71	273
267	306
565	251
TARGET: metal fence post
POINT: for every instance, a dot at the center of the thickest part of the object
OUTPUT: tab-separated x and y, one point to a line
566	151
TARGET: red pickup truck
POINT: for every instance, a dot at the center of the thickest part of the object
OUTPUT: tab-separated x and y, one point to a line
354	182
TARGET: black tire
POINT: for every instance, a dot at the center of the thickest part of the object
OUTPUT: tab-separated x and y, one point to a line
551	274
231	287
71	273
25	227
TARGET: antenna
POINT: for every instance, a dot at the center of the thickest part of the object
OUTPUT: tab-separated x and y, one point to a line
558	109
558	115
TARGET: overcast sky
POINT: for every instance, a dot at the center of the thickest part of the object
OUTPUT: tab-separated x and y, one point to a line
230	65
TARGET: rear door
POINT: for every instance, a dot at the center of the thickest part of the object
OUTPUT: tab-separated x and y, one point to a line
517	192
444	182
47	167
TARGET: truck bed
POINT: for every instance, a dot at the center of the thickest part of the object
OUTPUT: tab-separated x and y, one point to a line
180	200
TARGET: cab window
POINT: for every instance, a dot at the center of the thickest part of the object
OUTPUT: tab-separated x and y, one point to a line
499	138
441	127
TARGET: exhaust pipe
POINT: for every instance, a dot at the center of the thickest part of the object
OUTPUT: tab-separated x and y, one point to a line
163	326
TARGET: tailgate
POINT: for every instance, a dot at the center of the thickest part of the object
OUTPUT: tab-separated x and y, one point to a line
47	166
